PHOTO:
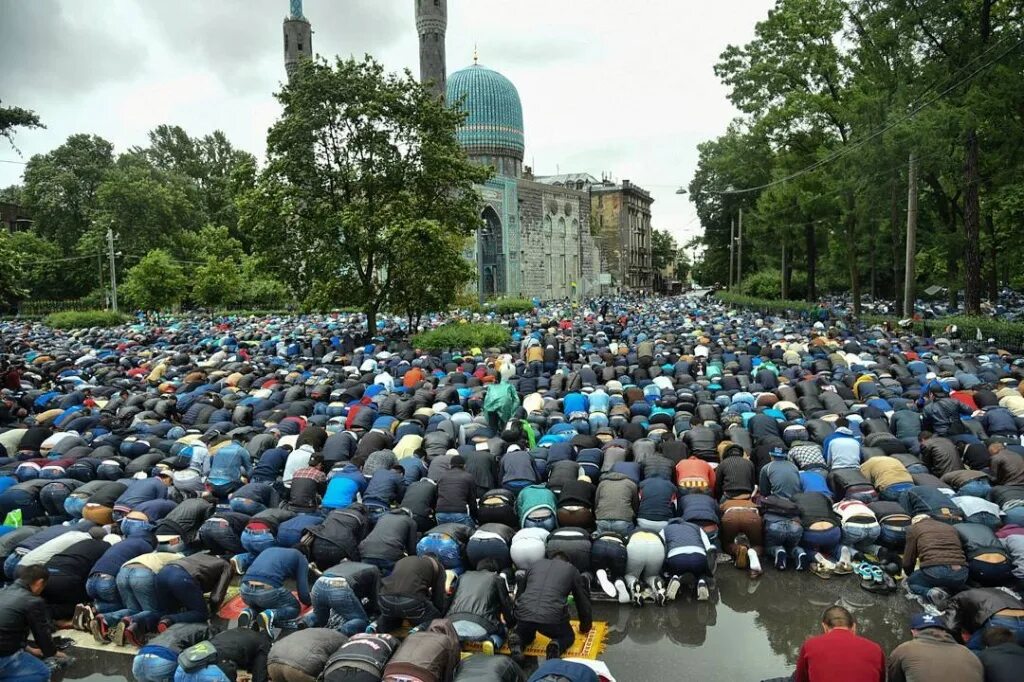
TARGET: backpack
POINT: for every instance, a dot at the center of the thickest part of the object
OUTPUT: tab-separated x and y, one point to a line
197	657
429	655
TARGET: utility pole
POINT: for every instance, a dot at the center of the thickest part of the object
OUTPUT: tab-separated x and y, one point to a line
113	271
732	250
908	282
739	252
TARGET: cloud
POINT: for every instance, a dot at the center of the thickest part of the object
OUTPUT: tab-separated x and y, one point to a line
51	48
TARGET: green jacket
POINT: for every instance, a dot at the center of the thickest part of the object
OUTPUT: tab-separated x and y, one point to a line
502	400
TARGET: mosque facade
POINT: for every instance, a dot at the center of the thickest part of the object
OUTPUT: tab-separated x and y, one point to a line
537	236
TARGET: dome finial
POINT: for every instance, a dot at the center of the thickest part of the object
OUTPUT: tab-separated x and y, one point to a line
476	55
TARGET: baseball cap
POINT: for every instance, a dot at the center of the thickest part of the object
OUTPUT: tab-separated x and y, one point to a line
920	621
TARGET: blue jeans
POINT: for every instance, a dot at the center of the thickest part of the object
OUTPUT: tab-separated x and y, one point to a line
333	599
11	563
102	589
455	517
782	535
922	580
23	667
137	587
135	526
893	492
861	534
1014	515
623	528
210	673
892	535
976	488
254	542
244	505
823	541
179	598
279	601
470	631
151	667
1014	624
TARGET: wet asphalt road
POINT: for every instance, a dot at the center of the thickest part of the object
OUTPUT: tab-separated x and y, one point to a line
751	630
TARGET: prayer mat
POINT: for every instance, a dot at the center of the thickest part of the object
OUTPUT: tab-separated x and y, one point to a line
588	646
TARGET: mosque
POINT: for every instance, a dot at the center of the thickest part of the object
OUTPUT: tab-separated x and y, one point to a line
564	236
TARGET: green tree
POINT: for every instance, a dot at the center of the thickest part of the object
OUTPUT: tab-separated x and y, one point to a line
12	287
40	268
429	284
61	187
156	282
216	283
12	118
663	250
357	160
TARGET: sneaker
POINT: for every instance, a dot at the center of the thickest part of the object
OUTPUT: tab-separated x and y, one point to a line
487	647
845	564
780	560
236	566
515	646
265	622
703	594
803	562
621	592
371	629
82	618
605	583
131	635
741	544
659	592
552	651
636	594
246	619
672	591
162	626
98	630
938	597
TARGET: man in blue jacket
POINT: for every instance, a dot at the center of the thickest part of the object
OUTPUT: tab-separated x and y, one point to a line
269	602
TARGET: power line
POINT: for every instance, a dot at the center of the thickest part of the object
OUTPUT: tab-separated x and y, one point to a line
848	149
23	163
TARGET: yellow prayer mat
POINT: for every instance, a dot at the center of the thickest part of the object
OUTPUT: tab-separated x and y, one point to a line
589	646
84	640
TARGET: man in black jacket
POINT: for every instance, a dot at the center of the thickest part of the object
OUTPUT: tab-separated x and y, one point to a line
456	495
1002	657
393	537
23	611
541	606
414	591
480	604
237	649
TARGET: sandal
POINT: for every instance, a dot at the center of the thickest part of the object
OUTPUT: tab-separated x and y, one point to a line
821	571
877	574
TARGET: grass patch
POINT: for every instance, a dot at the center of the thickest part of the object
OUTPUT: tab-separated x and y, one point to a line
83	319
457	336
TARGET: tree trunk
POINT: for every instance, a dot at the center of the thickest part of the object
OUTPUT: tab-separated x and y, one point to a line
993	257
371	320
897	245
852	258
812	261
972	247
873	272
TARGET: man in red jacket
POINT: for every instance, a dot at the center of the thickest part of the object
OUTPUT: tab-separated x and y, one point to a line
839	655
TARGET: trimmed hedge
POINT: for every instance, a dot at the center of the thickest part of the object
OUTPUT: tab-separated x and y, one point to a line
510	306
458	336
779	305
74	319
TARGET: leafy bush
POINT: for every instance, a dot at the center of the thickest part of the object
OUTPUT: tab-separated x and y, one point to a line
756	303
83	319
458	336
768	284
510	306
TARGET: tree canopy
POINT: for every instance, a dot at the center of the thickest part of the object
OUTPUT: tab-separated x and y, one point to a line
360	162
833	98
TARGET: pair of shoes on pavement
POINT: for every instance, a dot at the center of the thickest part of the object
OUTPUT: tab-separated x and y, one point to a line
264	620
703	593
83	616
660	593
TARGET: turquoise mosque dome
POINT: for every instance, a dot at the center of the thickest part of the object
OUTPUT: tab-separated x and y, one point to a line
493	128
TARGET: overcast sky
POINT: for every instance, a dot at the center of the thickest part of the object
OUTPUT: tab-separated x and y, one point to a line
622	87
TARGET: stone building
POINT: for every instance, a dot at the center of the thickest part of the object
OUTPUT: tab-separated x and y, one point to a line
534	238
620	220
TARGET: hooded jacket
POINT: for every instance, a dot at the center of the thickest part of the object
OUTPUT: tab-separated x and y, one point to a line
617	498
